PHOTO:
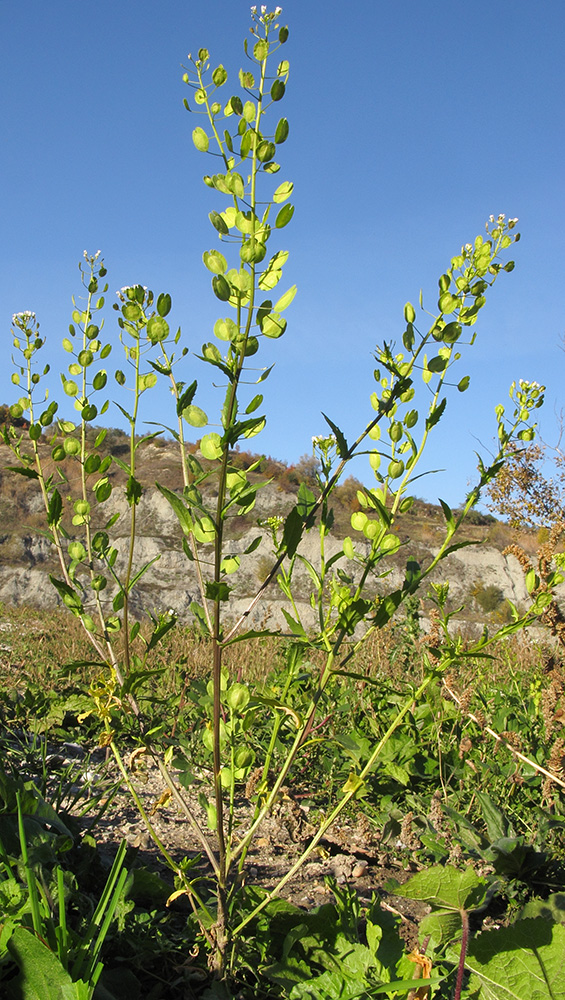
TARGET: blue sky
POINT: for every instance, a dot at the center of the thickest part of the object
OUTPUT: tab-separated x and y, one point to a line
410	124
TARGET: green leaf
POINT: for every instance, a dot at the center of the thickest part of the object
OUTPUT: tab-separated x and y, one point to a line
219	76
443	926
186	397
133	491
195	416
281	132
448	303
342	446
277	90
164	303
436	414
90	412
437	364
247	80
226	329
230	564
306	501
408	337
261	50
294	626
292	532
447	513
273	326
253	545
244	222
204	530
254	404
451	333
69	597
55	509
285	300
211	446
552	908
265	151
41	975
200	140
235	184
217	591
215	261
283	192
22	471
496	822
157	329
520	962
284	216
218	223
446	887
179	508
221	288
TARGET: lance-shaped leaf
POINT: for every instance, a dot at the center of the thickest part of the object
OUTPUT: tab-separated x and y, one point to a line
342	446
69	596
186	397
183	515
294	626
55	510
292	532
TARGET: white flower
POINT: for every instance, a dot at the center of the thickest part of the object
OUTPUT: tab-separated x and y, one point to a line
524	384
24	317
263	8
254	9
278	11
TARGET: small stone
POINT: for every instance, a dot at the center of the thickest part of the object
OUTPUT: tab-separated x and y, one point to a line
360	869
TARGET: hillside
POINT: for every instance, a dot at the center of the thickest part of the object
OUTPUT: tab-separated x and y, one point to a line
480	576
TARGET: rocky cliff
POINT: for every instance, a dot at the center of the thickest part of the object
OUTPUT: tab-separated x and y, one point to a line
27	557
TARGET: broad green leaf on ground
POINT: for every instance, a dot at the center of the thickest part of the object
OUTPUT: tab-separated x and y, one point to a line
445	887
552	908
525	961
41	975
440	926
328	986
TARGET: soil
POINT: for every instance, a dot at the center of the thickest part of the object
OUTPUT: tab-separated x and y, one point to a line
349	852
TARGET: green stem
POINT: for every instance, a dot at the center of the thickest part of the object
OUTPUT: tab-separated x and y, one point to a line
340	806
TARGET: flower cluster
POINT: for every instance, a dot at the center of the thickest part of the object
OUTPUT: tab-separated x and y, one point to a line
128	292
501	220
26	322
323	441
23	317
264	15
89	258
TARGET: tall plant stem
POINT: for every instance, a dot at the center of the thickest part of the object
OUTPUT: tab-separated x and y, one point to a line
356	785
230	413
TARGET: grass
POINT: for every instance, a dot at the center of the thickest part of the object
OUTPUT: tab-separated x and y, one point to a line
444	793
